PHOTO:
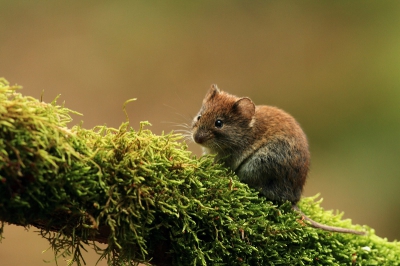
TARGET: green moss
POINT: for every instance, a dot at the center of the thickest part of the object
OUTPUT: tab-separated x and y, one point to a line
146	195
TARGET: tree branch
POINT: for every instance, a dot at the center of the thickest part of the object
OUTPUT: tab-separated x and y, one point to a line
150	200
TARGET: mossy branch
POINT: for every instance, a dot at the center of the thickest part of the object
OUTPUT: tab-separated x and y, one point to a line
150	200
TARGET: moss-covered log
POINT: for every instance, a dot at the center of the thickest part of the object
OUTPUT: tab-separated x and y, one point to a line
150	200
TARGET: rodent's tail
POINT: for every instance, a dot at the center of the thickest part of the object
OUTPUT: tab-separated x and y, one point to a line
327	227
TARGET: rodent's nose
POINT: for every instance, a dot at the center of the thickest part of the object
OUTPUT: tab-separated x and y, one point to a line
200	137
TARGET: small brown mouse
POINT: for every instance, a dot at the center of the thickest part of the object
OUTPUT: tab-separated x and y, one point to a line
263	145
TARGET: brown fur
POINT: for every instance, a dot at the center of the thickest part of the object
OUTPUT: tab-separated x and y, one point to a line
264	145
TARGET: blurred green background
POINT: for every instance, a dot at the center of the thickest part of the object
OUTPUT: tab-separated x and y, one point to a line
334	65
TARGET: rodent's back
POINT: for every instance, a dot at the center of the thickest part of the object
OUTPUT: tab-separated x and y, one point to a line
279	164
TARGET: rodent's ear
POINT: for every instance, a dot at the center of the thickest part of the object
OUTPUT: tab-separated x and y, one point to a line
245	107
214	90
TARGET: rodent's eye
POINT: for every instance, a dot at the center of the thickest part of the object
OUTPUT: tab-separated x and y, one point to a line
219	123
198	117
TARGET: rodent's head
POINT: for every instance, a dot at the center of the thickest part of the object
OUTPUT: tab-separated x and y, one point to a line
224	121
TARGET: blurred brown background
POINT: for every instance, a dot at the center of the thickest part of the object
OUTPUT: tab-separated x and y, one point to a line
334	65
